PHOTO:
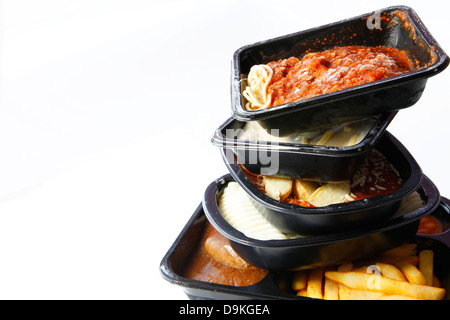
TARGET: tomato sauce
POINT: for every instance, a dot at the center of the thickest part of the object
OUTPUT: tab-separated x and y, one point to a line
376	176
332	70
429	225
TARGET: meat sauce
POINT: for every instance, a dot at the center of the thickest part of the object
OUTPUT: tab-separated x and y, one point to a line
376	176
332	70
215	261
430	225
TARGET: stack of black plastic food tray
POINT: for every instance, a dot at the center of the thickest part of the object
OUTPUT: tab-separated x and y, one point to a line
338	232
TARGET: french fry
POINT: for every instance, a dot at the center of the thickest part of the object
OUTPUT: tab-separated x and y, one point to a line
346	266
395	297
402	251
314	286
393	275
363	281
330	290
355	294
299	280
426	265
390	271
411	273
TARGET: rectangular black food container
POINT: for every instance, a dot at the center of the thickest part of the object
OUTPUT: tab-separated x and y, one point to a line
400	28
295	219
324	249
177	257
310	162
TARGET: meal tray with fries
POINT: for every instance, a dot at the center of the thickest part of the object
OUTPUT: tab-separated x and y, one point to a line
321	201
418	269
338	216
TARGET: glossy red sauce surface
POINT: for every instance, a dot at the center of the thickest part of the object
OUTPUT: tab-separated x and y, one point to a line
429	225
332	70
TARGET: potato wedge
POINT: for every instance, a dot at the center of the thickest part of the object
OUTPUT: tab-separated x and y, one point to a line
330	193
303	189
362	281
278	188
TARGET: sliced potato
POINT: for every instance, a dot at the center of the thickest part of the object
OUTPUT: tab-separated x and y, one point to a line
303	189
330	193
278	188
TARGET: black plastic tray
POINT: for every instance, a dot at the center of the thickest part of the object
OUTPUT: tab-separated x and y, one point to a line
296	219
174	261
325	249
311	162
386	95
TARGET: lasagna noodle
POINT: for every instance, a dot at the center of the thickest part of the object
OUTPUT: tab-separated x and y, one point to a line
246	215
256	92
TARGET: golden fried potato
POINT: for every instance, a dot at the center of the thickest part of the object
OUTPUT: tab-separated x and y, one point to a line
314	286
426	265
363	281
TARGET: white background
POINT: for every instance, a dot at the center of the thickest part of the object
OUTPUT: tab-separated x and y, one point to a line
106	113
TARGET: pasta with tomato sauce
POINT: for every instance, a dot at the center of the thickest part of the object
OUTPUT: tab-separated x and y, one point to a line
292	79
